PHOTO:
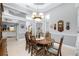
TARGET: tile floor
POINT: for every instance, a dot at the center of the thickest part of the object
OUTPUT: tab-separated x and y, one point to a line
17	48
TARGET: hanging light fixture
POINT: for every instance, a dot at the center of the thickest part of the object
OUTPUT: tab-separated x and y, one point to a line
37	16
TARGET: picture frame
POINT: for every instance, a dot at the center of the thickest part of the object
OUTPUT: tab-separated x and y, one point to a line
22	26
60	25
67	25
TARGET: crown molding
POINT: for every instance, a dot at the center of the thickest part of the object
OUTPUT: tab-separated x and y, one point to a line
17	9
8	16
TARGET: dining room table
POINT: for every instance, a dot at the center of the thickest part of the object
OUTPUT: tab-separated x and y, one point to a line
44	43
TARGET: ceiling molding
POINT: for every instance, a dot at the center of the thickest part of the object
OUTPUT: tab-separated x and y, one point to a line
16	13
19	10
46	10
28	9
42	8
8	16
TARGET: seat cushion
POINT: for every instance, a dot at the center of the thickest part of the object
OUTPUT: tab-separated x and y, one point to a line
51	50
37	47
54	49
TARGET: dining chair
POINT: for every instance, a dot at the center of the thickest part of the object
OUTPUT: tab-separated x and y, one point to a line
48	36
55	48
27	41
35	48
33	45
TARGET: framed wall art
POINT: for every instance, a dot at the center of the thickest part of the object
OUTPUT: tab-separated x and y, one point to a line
67	26
60	25
54	26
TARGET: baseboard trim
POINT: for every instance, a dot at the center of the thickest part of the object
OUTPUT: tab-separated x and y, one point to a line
63	44
69	46
21	39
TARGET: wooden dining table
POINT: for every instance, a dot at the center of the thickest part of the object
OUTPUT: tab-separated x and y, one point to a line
44	43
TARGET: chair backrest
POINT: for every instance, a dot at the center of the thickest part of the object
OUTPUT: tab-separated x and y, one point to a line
33	38
26	35
48	36
60	45
33	41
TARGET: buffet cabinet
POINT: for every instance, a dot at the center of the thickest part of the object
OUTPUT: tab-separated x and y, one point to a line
3	47
3	41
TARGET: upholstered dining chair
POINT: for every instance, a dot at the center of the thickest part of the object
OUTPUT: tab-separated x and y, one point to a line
47	34
33	45
35	49
48	37
26	39
27	35
55	49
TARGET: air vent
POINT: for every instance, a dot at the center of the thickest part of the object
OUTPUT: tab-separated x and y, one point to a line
39	3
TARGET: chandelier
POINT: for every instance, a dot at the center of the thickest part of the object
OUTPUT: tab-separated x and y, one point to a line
37	16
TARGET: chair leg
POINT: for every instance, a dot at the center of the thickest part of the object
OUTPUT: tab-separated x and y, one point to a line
60	53
26	47
29	49
33	51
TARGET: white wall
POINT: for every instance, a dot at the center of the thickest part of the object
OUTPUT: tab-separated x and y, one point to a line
77	41
65	12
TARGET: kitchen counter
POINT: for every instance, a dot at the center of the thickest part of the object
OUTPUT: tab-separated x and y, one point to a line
9	34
